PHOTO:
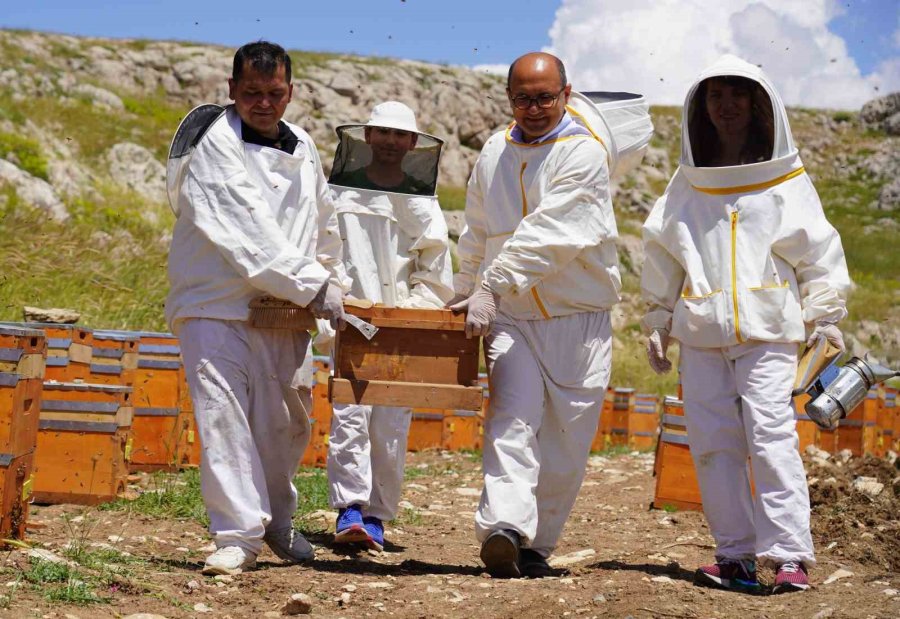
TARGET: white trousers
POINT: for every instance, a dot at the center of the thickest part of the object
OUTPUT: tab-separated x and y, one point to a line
366	458
251	394
737	403
547	382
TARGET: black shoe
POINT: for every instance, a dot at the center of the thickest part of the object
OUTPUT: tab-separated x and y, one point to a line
533	565
500	554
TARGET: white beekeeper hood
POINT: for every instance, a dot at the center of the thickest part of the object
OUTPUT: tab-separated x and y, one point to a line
785	161
420	165
189	133
620	120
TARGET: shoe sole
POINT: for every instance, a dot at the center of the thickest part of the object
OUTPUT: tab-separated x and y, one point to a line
352	535
501	557
706	580
371	544
212	570
789	587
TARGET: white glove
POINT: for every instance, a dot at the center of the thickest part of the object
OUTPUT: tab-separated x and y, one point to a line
329	304
481	311
830	332
657	346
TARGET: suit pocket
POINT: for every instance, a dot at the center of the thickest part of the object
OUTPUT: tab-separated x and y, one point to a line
701	321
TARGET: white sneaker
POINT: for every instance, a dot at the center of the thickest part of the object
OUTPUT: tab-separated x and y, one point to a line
229	560
289	545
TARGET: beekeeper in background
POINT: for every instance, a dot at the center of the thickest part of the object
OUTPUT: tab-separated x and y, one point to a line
742	266
397	253
254	217
538	275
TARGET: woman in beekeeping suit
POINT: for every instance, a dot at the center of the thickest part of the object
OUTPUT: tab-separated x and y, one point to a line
741	267
397	252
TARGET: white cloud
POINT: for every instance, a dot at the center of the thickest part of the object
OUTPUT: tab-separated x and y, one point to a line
657	47
492	69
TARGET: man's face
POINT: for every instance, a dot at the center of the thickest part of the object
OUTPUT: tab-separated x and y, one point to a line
389	146
261	99
537	79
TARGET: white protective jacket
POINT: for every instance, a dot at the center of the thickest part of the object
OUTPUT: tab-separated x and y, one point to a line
744	252
396	247
252	220
540	229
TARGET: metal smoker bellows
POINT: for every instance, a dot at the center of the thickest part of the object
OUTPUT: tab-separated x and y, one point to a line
837	391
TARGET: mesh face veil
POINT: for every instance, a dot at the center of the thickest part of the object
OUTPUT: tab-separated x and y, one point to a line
363	151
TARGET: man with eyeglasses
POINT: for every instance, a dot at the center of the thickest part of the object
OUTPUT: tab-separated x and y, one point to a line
538	275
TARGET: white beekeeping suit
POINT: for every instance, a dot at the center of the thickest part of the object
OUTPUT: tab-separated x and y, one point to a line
396	250
251	219
740	265
540	232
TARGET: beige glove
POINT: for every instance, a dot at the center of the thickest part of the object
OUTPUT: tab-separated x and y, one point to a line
830	332
329	304
657	346
481	311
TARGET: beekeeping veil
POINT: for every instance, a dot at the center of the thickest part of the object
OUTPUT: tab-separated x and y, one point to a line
620	120
357	150
189	133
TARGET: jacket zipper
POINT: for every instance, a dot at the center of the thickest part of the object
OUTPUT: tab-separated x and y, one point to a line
734	294
534	291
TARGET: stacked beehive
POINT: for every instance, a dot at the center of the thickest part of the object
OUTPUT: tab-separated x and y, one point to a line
23	354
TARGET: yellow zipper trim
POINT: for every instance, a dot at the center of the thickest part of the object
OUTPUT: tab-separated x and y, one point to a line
702	296
721	191
587	126
534	291
734	296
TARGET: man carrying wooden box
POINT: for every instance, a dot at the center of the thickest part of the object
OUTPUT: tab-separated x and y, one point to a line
538	275
254	216
397	252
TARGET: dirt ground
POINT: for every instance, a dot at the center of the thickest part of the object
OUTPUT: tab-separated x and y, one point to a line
617	558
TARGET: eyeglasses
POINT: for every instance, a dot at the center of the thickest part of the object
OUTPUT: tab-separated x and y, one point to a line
544	100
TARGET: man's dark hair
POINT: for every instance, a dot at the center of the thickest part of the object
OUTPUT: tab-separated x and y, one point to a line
559	67
263	57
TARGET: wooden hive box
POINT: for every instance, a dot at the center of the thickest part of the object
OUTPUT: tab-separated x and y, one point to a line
623	405
884	421
462	430
22	355
857	431
159	430
68	351
602	438
114	358
418	358
426	429
316	453
807	430
676	478
83	443
643	421
16	482
889	402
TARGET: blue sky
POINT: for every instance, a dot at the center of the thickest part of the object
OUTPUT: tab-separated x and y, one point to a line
860	39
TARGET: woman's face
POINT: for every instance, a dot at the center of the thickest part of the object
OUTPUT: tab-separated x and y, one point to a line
729	108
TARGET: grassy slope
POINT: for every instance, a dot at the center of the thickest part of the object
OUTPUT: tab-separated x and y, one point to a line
122	284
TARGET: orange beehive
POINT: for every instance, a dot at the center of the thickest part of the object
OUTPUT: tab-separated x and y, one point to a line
676	478
159	429
461	430
884	421
623	405
643	421
602	438
889	401
807	430
83	443
316	453
857	432
68	351
114	358
426	430
22	356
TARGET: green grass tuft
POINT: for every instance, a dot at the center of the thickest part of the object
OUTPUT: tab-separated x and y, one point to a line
24	152
452	198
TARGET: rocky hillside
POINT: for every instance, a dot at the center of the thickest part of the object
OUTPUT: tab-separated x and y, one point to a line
85	125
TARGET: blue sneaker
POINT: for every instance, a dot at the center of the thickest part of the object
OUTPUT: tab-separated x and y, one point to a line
733	574
349	527
375	529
